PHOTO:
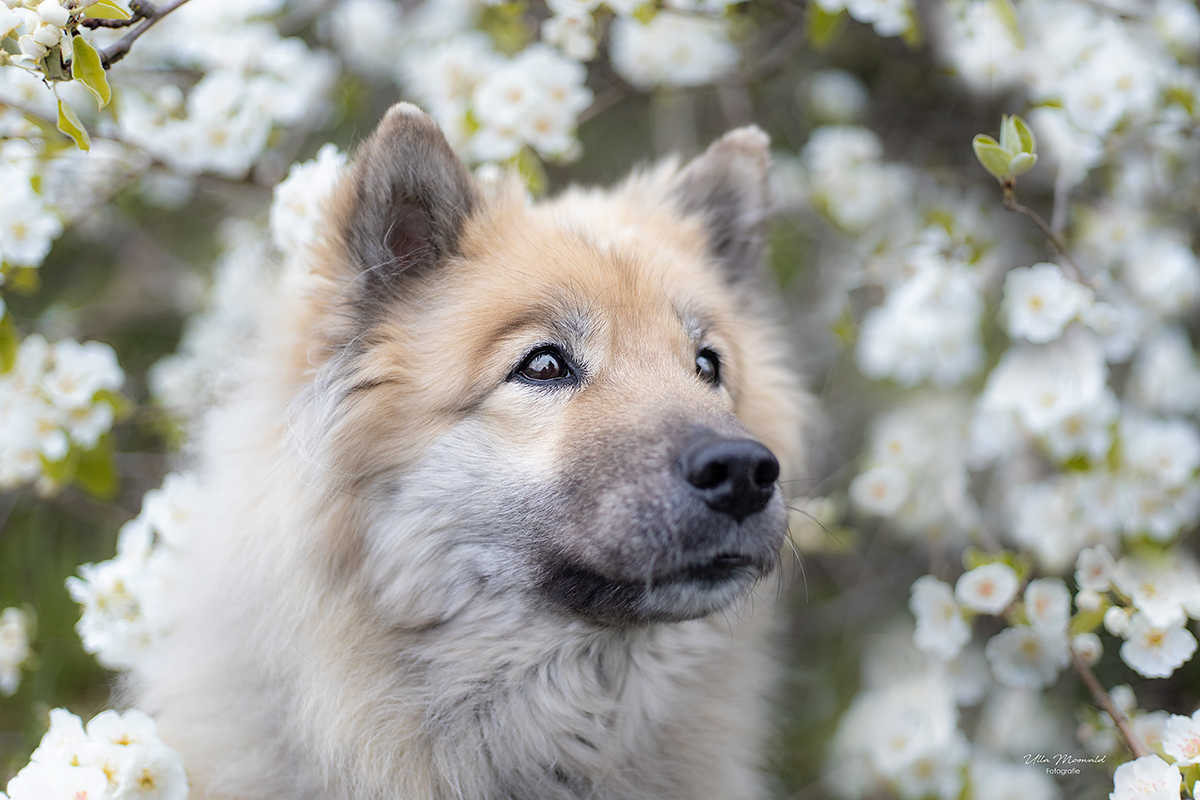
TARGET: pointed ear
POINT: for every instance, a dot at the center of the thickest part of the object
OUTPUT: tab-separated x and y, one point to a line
408	197
727	187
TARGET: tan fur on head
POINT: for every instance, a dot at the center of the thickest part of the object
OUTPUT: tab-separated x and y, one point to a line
431	576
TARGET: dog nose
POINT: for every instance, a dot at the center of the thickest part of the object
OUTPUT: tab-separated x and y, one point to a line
733	476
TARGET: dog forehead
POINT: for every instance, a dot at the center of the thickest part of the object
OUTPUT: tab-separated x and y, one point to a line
589	267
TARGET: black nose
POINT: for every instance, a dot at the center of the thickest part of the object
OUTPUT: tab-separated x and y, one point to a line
734	476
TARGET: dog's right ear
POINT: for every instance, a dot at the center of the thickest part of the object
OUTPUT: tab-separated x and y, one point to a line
406	201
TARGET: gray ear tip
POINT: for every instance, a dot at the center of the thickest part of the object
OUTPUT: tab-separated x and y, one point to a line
402	110
408	117
750	140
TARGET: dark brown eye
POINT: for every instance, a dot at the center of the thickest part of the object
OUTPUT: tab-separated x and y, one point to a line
544	365
708	367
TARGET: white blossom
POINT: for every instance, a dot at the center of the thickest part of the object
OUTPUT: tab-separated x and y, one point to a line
941	630
838	96
1181	739
14	648
881	490
1089	600
926	330
988	589
296	207
1088	647
126	602
1048	603
1039	301
120	757
1093	568
1116	621
1166	376
1028	657
1042	386
1156	652
1164	274
1146	778
672	50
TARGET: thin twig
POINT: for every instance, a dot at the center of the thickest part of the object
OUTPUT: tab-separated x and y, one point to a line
603	101
150	14
1010	202
1105	701
94	22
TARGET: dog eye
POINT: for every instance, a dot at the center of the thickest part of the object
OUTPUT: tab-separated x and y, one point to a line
708	366
547	364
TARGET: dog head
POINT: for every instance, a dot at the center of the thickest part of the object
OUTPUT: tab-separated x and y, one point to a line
583	401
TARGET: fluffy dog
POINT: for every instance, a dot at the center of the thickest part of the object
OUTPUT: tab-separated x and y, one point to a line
495	512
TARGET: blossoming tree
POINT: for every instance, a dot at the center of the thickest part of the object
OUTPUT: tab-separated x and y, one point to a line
987	221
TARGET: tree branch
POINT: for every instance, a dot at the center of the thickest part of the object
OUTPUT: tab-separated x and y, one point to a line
1105	701
148	14
1010	202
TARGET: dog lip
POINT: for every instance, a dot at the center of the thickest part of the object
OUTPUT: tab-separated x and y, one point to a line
718	569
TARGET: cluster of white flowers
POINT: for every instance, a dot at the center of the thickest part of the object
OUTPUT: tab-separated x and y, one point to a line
14	647
917	474
1075	440
57	399
253	82
117	757
888	17
1162	775
904	730
28	224
490	106
37	26
298	201
672	49
126	601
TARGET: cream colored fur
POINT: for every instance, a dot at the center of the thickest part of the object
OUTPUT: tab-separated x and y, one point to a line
356	621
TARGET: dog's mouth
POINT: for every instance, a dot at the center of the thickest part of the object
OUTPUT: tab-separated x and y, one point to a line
721	567
667	594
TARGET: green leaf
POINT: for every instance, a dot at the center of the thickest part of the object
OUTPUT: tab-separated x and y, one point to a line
106	9
61	472
96	472
87	69
1087	621
1010	139
822	27
976	557
69	124
24	281
645	13
1027	143
52	65
1006	14
1191	774
122	406
992	156
1020	164
843	327
10	340
532	171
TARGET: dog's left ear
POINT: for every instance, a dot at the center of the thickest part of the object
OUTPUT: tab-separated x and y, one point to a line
727	187
408	198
